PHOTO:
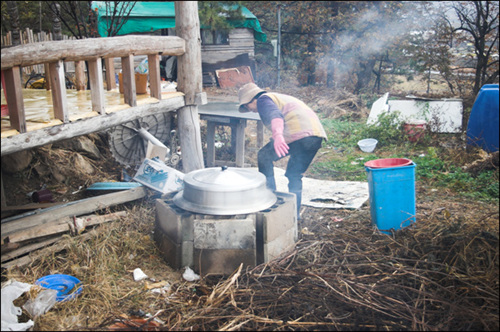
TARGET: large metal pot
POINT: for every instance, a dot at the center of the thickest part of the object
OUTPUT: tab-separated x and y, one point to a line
224	191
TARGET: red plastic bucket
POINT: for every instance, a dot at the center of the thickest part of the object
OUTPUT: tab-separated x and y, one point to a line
388	162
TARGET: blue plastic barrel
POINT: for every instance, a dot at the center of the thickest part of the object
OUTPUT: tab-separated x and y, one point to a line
482	128
392	195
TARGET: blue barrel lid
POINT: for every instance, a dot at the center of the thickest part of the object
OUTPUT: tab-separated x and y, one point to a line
65	285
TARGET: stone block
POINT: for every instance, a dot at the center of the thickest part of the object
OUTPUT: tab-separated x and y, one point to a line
224	233
222	261
279	218
177	255
219	244
174	222
279	245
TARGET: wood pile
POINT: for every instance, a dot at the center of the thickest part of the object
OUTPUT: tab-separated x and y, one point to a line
26	233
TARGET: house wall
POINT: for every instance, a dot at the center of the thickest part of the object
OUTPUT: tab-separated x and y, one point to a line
241	41
239	52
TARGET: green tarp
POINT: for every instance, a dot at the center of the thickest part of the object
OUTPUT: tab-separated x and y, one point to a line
151	16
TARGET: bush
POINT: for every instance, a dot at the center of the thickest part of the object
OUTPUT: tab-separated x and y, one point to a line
387	129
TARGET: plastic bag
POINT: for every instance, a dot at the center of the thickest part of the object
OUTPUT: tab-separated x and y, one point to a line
189	275
42	303
11	291
142	68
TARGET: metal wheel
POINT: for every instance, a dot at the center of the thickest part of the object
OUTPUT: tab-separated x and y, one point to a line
128	147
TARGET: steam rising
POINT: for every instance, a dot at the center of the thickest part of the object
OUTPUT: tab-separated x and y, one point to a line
371	35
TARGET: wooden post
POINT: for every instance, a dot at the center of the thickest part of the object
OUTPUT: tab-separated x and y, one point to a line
47	76
189	81
58	84
80	75
154	75
14	96
128	80
96	86
110	74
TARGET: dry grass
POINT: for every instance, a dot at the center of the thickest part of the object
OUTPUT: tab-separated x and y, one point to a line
441	274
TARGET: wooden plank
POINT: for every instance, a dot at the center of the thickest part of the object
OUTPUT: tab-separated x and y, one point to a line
96	86
89	125
77	208
154	76
58	87
110	74
62	225
128	80
25	260
92	48
14	96
8	255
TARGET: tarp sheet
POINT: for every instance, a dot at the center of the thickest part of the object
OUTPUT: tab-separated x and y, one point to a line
327	194
152	16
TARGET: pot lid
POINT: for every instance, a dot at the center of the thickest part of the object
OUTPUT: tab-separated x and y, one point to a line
225	191
224	179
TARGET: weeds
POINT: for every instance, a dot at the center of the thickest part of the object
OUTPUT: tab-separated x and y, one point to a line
437	165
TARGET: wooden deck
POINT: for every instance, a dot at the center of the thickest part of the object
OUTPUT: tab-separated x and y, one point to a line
43	128
39	117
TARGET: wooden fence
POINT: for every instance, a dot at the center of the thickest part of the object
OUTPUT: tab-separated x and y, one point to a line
28	36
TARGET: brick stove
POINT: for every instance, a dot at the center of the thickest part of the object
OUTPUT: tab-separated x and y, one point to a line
211	244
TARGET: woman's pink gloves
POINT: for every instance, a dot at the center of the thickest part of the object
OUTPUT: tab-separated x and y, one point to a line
280	146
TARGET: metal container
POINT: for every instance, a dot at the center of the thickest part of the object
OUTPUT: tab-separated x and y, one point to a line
224	191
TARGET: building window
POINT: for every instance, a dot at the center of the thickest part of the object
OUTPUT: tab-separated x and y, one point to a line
209	37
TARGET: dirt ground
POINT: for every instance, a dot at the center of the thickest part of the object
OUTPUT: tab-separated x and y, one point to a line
317	226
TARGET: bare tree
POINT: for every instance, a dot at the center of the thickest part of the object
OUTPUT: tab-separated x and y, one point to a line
118	13
479	19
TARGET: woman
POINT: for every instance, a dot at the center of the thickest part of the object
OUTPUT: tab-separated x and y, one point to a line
296	132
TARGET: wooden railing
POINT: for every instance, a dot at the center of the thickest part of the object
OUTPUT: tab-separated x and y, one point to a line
55	53
28	36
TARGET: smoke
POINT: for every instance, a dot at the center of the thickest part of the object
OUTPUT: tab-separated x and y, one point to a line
370	36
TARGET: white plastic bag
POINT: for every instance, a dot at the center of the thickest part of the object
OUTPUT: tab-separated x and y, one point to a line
189	275
10	292
42	303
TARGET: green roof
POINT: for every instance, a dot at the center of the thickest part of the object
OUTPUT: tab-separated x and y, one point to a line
147	16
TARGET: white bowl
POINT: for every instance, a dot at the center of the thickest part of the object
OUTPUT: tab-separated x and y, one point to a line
367	144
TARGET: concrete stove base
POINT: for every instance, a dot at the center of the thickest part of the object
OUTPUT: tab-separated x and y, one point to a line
219	244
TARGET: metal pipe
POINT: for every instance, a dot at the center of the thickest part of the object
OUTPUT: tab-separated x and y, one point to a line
147	136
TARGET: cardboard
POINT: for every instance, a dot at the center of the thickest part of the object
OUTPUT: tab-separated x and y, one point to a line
158	176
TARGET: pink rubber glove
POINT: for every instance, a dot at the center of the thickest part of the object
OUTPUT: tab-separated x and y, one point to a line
280	146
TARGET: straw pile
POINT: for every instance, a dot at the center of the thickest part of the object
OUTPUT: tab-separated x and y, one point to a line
440	274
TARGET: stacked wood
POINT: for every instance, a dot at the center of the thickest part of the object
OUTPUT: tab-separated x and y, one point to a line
26	233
